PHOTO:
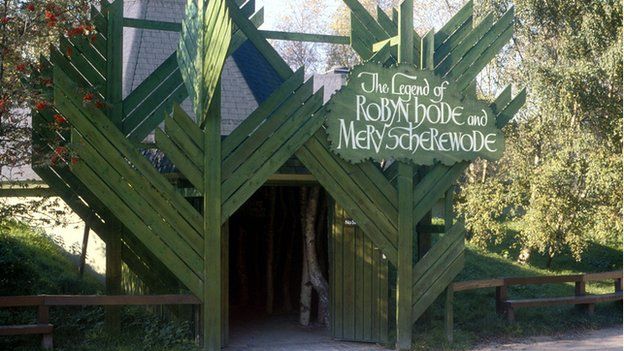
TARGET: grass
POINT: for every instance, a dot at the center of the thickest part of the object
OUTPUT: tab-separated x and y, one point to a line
476	320
33	264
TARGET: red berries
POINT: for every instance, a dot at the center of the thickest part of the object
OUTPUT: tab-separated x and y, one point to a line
41	105
59	119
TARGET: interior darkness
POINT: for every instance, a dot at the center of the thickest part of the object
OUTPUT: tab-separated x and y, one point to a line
271	218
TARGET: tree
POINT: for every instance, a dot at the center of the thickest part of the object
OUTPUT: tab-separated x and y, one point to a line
27	29
561	172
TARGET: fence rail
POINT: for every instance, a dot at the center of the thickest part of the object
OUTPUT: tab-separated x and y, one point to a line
44	302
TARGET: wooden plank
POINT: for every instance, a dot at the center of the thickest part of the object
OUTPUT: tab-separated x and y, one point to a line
386	22
213	284
263	132
453	24
348	287
95	58
274	59
119	300
238	37
61	63
446	60
149	84
306	37
358	11
95	78
114	62
454	236
448	314
152	101
183	164
283	143
95	127
566	300
453	40
437	287
265	110
537	280
511	109
21	301
346	178
361	40
148	206
27	329
477	284
183	140
152	25
368	302
187	123
591	277
344	199
140	229
156	116
406	245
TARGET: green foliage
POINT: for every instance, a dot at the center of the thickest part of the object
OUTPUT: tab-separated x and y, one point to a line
33	264
561	173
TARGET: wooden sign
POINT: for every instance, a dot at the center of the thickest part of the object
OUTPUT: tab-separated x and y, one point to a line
408	114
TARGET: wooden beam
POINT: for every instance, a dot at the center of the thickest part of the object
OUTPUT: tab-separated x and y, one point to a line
308	37
213	289
152	25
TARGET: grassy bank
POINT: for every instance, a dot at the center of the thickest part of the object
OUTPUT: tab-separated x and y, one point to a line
476	320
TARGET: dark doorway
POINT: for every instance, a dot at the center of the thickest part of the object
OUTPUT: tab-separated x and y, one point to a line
266	259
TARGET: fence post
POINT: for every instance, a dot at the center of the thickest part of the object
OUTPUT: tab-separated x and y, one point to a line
43	317
448	315
501	296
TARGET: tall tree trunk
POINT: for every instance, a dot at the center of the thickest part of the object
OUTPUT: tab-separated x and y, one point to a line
305	299
270	251
316	275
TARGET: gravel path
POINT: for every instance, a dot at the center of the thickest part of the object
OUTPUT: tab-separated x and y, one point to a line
596	340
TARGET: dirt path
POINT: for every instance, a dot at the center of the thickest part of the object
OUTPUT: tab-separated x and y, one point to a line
596	340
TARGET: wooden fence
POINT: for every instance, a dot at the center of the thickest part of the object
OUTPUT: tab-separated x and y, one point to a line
505	306
44	302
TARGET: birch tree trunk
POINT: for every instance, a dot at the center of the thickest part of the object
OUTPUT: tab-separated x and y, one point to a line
314	269
305	299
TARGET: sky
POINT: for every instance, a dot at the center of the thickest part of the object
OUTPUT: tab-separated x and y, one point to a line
274	8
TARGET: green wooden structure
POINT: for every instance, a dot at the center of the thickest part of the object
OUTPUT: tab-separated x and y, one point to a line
382	220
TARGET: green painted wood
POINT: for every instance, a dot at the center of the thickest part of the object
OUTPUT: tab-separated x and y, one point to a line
352	180
61	62
358	11
150	83
446	60
141	230
237	158
448	314
454	23
477	66
476	52
213	288
343	196
142	205
265	110
427	54
501	101
405	186
436	288
95	127
205	38
186	122
98	20
453	237
114	62
453	40
152	25
156	117
361	41
386	22
95	58
250	31
238	37
179	136
449	214
152	102
511	109
358	276
306	37
282	144
94	77
179	159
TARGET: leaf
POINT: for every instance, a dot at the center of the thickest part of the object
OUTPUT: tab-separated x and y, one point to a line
205	38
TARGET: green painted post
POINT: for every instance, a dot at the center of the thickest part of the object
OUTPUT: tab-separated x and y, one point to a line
212	313
405	264
114	100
